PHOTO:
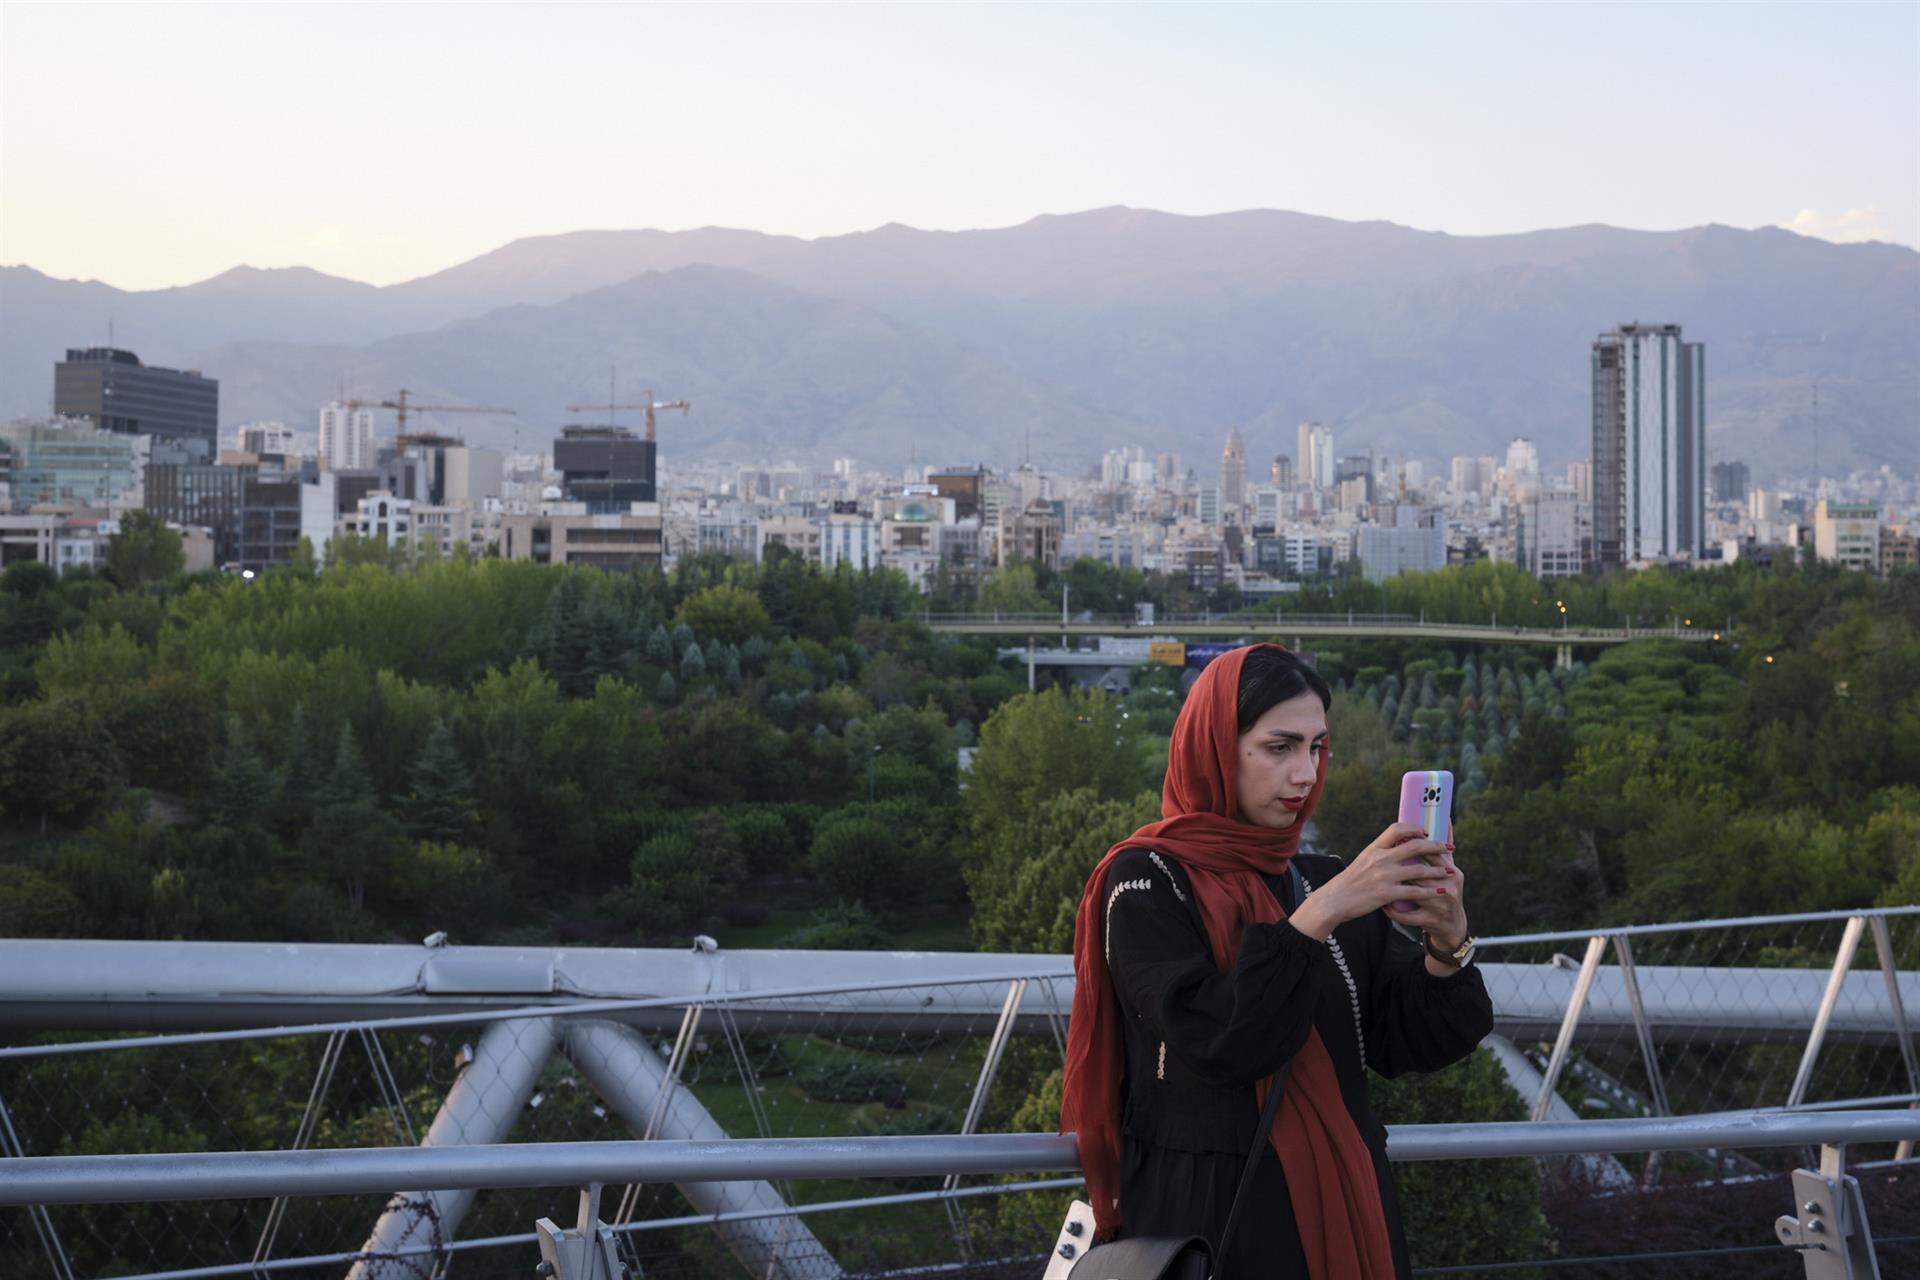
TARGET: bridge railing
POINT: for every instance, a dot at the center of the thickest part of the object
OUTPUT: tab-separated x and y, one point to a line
1492	631
1825	1211
484	1046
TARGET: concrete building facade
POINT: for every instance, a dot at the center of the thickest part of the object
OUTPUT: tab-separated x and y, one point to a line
72	461
608	540
129	398
346	438
1649	446
1847	534
1553	540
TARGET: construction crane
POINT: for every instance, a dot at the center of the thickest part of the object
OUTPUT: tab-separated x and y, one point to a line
651	405
402	406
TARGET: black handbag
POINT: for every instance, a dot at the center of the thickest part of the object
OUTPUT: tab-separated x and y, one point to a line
1160	1257
1167	1257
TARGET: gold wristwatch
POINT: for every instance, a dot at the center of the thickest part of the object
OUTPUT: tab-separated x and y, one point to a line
1459	959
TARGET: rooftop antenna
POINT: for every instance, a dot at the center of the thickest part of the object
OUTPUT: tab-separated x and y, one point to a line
1819	481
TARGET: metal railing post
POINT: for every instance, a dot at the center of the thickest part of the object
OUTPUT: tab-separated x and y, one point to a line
1643	1032
1829	1222
1642	1028
36	1213
676	1064
1842	961
996	1047
989	1067
1563	1043
587	1252
309	1120
1883	946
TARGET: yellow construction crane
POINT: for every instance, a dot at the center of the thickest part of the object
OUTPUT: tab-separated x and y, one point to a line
650	406
402	406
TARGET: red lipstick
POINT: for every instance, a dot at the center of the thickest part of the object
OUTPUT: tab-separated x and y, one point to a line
1295	803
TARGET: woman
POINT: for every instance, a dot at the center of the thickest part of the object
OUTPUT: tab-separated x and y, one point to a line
1197	975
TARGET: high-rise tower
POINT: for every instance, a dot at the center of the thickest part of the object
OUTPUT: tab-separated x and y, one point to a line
120	394
1316	456
1649	445
346	437
1233	473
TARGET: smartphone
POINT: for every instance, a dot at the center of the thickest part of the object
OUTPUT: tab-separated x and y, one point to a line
1426	801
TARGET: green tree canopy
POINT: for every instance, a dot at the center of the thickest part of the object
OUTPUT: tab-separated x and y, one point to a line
144	552
731	614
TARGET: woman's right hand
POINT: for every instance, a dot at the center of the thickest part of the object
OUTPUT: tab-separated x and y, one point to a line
1375	878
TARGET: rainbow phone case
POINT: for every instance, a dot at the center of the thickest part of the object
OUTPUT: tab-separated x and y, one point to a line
1426	800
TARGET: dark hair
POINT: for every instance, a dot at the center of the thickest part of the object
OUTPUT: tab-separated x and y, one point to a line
1271	676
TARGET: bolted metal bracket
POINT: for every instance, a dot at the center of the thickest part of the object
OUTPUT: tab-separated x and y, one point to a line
1830	1229
586	1251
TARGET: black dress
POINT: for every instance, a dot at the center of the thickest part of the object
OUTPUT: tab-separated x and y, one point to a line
1199	1038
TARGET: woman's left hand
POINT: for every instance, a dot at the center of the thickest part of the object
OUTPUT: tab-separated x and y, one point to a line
1443	918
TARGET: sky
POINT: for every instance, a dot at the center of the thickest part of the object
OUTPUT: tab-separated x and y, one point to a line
158	144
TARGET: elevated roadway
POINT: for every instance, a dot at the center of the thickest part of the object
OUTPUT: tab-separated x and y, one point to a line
1361	626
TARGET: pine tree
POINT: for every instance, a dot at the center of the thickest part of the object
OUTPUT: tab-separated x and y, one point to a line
240	785
348	781
296	773
659	647
667	691
562	642
683	639
605	640
349	834
440	803
692	664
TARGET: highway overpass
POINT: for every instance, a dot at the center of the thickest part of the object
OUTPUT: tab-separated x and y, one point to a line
1301	626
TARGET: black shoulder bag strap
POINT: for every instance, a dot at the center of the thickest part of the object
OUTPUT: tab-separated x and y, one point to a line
1296	890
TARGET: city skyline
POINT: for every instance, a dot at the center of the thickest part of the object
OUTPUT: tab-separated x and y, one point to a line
447	132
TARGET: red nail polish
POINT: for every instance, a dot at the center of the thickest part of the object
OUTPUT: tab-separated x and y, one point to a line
1442	892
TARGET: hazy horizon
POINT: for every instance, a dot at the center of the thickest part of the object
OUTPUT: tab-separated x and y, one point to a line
300	266
381	144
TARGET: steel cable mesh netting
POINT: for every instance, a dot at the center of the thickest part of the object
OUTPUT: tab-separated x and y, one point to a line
1730	1012
847	1064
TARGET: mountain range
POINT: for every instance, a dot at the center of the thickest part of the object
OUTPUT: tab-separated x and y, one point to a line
1058	338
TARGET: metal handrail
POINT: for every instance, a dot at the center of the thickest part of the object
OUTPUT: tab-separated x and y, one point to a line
366	1170
478	1017
1356	620
1693	926
1061	971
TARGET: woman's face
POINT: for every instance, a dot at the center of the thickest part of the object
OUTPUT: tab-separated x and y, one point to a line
1279	760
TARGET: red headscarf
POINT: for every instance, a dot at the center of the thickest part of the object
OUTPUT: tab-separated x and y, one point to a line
1330	1174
